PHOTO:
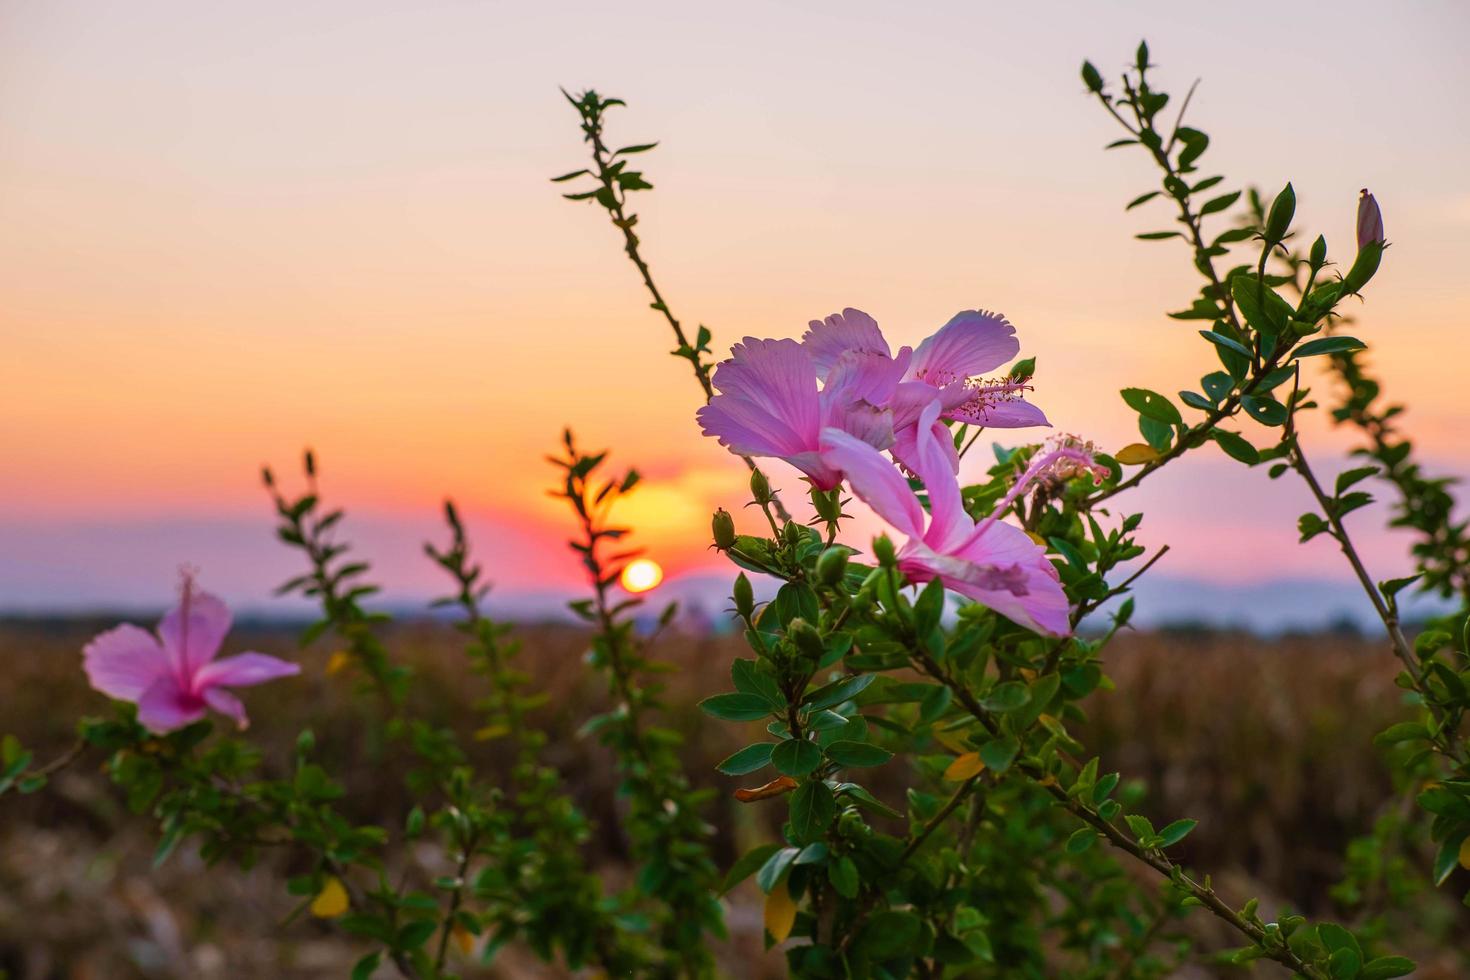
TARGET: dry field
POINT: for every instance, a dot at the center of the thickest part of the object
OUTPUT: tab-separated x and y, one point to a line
1268	743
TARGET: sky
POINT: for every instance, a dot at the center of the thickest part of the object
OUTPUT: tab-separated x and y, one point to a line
229	231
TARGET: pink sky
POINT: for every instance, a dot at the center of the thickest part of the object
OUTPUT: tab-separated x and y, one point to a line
228	231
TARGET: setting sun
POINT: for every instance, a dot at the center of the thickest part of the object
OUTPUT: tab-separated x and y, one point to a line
641	574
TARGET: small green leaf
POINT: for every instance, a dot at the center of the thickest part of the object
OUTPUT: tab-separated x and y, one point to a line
1328	345
1151	404
748	759
851	754
796	757
736	707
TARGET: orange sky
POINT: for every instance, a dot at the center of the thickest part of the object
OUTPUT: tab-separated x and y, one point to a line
231	230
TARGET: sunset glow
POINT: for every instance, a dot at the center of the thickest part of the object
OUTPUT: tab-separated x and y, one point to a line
229	233
641	575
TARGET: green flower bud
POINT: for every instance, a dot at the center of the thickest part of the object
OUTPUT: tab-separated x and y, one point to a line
1364	266
1091	77
1283	209
827	504
744	597
1022	370
1318	257
722	525
794	533
832	565
806	637
760	487
883	550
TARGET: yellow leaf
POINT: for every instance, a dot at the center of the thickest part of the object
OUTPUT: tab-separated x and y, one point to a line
492	731
331	901
1037	538
1465	853
338	662
1136	454
464	939
780	913
963	767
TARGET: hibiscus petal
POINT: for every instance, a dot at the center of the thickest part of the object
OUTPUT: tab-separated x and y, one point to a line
864	377
1041	608
165	706
875	480
244	670
948	523
851	330
227	704
971	343
1044	607
905	447
124	662
1012	414
768	402
194	629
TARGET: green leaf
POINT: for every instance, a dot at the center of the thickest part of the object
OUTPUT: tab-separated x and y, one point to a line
736	707
1219	203
748	759
1385	967
843	874
774	869
812	809
1007	696
796	599
1264	409
1081	840
1328	345
1236	446
1177	831
998	754
796	757
367	966
839	691
1153	405
1220	340
747	865
851	754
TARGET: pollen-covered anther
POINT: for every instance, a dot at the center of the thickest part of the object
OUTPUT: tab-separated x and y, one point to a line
989	392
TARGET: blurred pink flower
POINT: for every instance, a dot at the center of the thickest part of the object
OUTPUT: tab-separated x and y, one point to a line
991	562
1370	219
173	677
769	404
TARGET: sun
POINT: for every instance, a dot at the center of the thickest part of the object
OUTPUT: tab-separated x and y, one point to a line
641	574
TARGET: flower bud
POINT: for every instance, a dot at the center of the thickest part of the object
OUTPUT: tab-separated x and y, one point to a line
1091	77
1283	209
832	565
1370	220
794	533
827	504
743	596
807	639
1318	257
760	487
722	526
1023	370
883	550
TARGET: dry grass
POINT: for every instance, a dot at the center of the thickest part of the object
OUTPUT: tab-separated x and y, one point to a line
1267	743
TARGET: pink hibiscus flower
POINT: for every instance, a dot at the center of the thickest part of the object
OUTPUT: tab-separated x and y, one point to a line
991	562
947	366
173	677
769	404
